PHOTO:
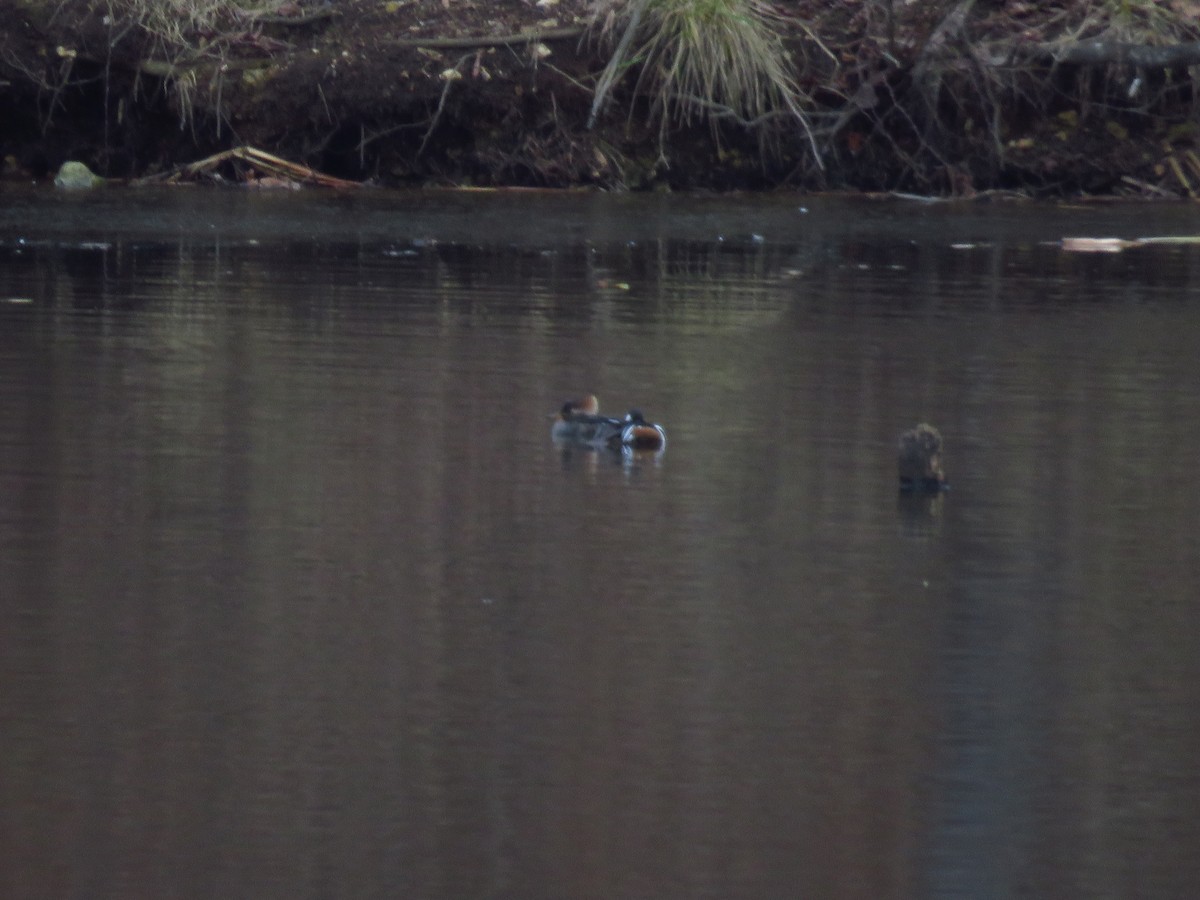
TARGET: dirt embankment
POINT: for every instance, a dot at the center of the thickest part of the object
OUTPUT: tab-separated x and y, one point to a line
953	97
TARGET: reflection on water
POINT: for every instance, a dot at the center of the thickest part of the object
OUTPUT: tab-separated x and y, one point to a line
299	598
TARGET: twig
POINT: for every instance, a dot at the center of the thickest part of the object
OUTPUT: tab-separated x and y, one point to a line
812	138
502	40
1189	156
570	79
365	139
437	113
1183	179
721	111
68	64
1148	188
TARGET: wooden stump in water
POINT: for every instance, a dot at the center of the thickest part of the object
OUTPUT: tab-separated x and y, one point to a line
920	459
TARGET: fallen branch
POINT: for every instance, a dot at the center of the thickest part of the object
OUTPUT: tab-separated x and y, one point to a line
159	68
1147	188
303	19
260	161
1103	53
502	40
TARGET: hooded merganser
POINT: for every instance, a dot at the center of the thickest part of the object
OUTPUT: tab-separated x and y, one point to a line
588	406
639	434
579	421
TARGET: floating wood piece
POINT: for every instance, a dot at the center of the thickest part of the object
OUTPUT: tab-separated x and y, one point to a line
1116	245
1096	245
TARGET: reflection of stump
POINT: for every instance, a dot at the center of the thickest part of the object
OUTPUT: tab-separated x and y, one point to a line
920	459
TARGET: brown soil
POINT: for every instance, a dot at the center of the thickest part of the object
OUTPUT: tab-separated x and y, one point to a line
360	95
349	87
440	91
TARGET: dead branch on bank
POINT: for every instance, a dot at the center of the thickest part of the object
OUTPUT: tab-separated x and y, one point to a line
258	169
491	40
1116	53
304	18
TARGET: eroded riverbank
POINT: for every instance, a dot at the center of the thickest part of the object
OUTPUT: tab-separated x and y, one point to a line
950	98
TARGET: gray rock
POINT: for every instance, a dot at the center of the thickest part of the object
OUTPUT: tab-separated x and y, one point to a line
76	176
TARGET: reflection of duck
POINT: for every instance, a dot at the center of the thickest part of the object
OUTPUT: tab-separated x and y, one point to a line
580	422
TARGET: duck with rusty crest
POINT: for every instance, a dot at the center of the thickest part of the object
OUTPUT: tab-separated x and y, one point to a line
919	457
580	422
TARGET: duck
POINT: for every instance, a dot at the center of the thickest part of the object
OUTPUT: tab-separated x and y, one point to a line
639	434
580	422
588	405
919	460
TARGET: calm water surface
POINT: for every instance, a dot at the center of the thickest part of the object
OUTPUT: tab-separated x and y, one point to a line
298	599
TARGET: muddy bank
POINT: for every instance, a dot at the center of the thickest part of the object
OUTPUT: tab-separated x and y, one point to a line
940	98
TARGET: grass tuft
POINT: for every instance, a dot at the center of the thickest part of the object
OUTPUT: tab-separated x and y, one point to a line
179	34
703	60
1140	21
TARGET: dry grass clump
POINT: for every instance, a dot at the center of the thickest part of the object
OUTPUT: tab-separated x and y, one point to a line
186	29
702	60
184	22
176	35
1140	21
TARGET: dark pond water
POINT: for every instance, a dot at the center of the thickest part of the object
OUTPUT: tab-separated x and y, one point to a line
298	599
